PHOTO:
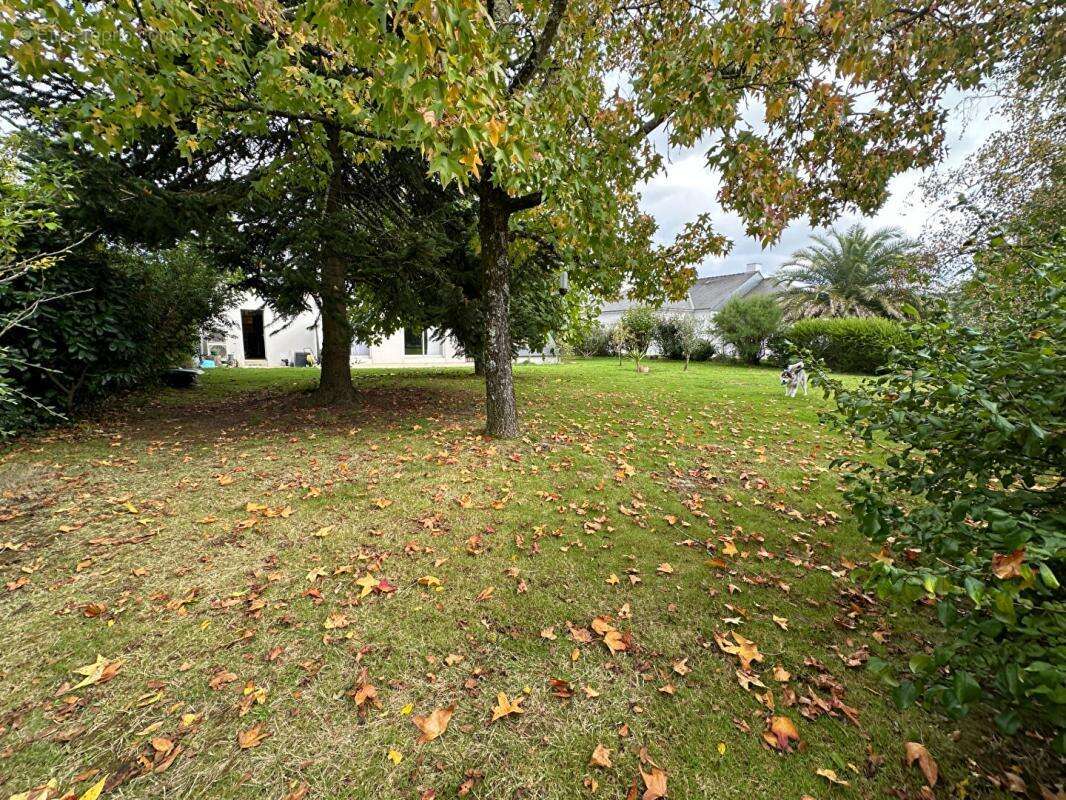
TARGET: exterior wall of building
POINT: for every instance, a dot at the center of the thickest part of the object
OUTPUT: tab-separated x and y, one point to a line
284	338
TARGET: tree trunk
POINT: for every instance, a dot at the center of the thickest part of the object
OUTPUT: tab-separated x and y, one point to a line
479	365
501	415
686	364
335	382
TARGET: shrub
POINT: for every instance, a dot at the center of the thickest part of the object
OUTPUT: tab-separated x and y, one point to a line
590	341
114	319
666	338
844	344
704	350
747	323
640	324
970	502
678	337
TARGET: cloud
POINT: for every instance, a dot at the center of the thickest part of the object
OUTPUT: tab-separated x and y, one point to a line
686	188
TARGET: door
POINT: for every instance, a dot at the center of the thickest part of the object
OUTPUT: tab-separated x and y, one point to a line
252	331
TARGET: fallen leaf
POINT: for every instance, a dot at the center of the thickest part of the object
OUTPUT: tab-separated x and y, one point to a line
917	752
781	734
94	791
831	776
1008	566
654	784
504	706
433	725
253	737
601	757
100	671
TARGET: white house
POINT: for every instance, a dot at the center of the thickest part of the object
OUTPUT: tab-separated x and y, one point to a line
704	299
252	335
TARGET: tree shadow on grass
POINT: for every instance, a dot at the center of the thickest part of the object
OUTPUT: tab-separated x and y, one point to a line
196	415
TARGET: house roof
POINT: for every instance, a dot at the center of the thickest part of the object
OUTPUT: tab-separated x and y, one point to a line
708	294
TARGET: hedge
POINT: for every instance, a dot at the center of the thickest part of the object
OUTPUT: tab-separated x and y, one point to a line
845	344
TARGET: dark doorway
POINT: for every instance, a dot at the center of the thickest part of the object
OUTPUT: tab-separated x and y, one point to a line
252	330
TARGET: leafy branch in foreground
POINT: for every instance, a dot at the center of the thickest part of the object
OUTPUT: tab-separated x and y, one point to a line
970	500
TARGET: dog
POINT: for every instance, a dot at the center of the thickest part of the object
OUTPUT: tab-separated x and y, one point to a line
793	377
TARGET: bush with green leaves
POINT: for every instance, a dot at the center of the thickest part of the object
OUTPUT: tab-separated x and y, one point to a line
113	319
640	324
704	350
589	341
678	337
844	344
747	323
30	198
969	499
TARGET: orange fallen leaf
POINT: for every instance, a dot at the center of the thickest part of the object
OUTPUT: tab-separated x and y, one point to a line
601	757
917	752
433	725
253	737
654	784
504	706
781	734
1008	566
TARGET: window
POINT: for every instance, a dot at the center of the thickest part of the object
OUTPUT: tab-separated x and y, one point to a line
421	343
414	342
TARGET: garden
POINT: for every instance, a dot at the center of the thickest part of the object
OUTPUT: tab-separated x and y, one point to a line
390	405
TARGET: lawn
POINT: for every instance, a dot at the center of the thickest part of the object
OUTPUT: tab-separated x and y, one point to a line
274	594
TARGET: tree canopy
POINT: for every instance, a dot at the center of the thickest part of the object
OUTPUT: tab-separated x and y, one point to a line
546	106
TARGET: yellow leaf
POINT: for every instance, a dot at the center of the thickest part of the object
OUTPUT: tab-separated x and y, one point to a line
94	791
395	756
504	706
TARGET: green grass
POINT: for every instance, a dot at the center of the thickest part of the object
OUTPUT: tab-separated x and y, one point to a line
128	511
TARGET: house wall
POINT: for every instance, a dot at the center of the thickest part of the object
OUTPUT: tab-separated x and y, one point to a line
284	337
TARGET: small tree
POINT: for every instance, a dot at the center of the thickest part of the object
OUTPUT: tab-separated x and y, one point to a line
746	323
617	337
688	331
640	324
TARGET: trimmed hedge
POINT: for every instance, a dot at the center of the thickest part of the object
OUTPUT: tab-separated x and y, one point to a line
845	344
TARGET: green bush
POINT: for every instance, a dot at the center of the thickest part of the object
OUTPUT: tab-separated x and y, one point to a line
747	323
704	350
678	337
844	344
639	324
969	504
590	341
112	319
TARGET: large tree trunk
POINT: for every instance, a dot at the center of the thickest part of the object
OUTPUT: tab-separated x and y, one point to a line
500	412
479	365
335	383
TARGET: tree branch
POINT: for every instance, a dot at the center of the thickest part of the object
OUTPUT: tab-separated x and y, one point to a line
525	202
540	48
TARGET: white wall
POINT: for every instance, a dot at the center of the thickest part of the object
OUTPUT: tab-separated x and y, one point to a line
282	337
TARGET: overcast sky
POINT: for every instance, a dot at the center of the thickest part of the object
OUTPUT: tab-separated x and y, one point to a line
687	188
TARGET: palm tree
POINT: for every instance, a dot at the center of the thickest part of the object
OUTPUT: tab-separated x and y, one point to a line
850	274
